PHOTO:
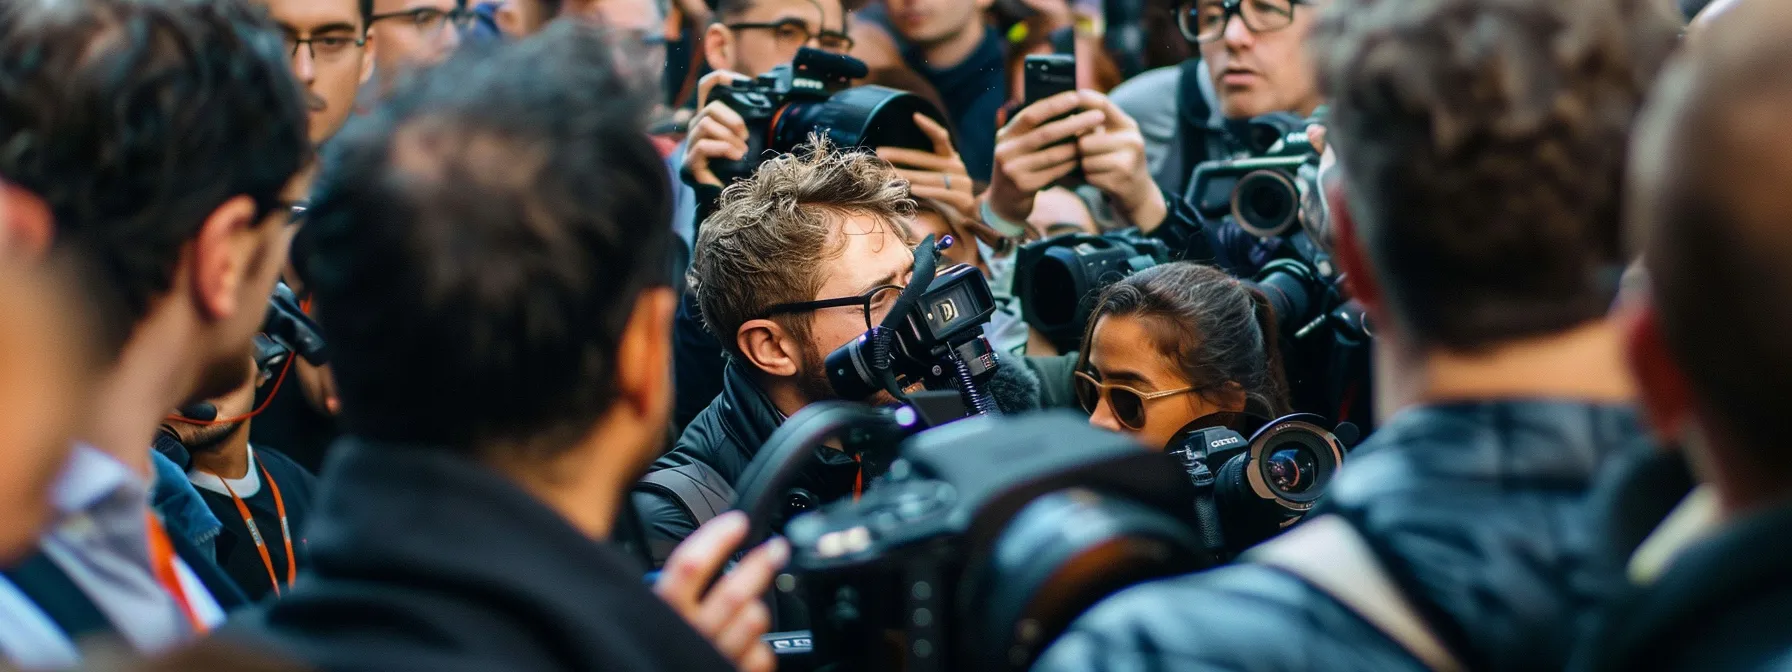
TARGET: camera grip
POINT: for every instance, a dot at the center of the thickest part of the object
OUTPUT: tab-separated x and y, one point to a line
729	170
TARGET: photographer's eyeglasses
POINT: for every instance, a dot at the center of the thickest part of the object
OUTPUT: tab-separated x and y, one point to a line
875	304
1206	20
795	33
323	48
428	21
1128	404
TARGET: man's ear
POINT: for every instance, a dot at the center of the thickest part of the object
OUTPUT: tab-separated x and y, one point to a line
509	19
644	357
224	254
1666	395
768	346
367	54
718	47
26	227
1353	260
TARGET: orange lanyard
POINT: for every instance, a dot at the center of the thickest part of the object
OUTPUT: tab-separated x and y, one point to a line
161	559
261	545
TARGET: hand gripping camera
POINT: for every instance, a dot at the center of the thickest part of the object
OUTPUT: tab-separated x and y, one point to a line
814	94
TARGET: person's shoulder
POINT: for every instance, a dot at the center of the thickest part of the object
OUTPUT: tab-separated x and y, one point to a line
1239	617
283	467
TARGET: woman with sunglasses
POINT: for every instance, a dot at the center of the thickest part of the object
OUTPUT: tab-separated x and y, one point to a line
1175	343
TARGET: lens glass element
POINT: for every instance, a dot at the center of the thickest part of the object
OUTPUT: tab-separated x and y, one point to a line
1292	470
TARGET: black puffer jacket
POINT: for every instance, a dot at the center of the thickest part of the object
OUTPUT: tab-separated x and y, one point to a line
1478	511
726	436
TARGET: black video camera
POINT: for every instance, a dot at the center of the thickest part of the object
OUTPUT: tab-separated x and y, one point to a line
1248	490
1263	193
814	94
285	331
933	335
1057	279
981	543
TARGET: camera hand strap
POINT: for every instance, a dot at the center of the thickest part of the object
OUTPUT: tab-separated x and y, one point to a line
1329	554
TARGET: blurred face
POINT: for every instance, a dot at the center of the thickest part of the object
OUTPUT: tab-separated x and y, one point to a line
770	32
231	335
323	39
1123	351
1256	73
642	30
42	382
412	34
928	22
875	256
236	403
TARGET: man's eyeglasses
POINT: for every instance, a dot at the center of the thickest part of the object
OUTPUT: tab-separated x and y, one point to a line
795	33
428	21
875	304
324	48
1206	20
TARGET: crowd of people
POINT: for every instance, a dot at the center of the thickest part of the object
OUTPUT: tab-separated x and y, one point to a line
435	335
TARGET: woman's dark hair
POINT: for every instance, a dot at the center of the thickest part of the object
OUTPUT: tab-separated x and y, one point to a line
1217	329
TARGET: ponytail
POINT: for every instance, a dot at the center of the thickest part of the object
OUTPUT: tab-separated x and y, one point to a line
1274	392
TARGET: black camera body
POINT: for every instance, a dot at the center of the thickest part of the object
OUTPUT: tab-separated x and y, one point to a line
933	336
1057	279
984	540
814	94
1250	489
1263	193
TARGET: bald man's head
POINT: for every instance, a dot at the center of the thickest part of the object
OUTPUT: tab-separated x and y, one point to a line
1710	203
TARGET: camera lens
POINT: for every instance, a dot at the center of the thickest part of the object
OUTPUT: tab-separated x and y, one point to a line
1265	203
1292	470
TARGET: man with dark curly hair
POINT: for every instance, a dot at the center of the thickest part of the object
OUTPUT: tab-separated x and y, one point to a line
1480	147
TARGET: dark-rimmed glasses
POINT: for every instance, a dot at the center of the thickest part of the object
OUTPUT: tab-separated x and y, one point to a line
324	48
875	304
1127	403
428	21
1205	20
794	32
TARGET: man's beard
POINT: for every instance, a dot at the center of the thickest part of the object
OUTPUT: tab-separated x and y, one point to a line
812	376
812	381
210	438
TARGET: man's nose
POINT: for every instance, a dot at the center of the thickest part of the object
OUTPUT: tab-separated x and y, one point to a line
1237	35
304	67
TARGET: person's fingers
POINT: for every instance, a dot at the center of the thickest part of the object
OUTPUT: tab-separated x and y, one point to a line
1115	119
1037	114
743	631
1316	136
918	160
1098	144
1059	131
709	82
713	149
1099	169
711	129
1040	160
942	139
758	659
751	578
698	559
727	117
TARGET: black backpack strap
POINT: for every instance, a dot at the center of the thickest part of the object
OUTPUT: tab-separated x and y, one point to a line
696	488
51	589
1192	112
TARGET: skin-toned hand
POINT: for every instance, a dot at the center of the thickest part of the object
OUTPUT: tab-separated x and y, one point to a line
1114	161
940	174
717	132
731	615
1026	161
